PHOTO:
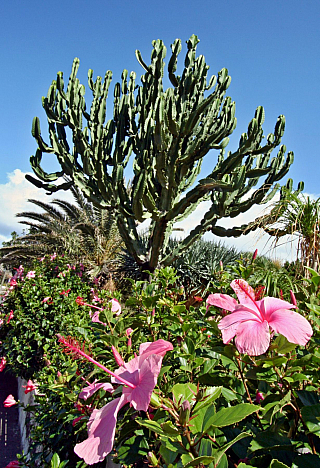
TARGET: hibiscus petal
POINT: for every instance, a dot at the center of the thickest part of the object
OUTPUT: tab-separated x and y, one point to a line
87	392
222	300
237	317
129	371
292	325
148	374
101	427
159	347
244	292
229	333
253	337
268	305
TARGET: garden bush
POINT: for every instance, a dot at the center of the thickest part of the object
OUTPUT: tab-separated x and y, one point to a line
212	403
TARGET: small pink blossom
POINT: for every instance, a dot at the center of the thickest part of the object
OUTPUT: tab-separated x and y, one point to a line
1	322
53	257
19	272
65	293
48	299
3	363
9	401
29	387
129	331
31	274
250	321
80	301
10	316
259	397
13	282
255	253
115	306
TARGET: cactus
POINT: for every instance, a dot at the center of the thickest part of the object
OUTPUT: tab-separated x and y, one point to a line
165	133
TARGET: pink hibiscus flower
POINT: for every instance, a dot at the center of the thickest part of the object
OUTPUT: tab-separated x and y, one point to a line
139	377
29	387
9	401
251	320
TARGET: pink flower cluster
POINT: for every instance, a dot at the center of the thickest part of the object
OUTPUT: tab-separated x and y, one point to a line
250	320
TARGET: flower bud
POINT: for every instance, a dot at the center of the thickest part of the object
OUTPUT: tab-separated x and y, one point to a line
293	298
259	397
254	256
117	356
184	413
152	459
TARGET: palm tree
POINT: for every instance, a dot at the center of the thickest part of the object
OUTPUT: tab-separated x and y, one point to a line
84	232
297	215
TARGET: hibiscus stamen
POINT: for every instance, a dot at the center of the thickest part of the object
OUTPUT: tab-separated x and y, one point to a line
72	346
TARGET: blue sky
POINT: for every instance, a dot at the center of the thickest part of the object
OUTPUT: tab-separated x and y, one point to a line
271	50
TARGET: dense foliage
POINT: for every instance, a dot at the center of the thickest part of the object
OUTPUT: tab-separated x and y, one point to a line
212	405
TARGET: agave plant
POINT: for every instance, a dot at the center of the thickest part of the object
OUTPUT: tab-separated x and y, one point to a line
196	267
82	231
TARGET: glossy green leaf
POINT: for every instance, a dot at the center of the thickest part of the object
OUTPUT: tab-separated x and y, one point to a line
231	415
183	392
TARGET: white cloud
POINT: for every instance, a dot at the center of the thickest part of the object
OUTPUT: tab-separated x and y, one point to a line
14	197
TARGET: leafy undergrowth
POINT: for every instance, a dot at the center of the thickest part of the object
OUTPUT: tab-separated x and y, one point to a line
192	399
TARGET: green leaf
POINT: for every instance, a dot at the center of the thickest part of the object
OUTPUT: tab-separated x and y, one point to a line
152	425
200	460
223	463
276	464
268	440
170	429
218	454
55	461
133	449
183	392
198	423
274	407
283	345
231	415
310	415
212	393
